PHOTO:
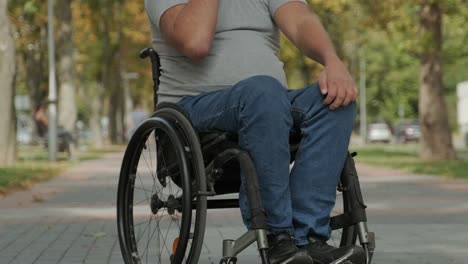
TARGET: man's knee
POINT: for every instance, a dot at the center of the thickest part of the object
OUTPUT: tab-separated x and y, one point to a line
264	89
310	102
264	99
345	116
348	111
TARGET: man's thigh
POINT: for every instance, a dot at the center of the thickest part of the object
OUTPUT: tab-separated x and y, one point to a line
258	98
213	111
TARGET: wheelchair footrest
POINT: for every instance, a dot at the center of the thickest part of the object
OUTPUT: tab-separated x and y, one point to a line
228	261
222	203
370	247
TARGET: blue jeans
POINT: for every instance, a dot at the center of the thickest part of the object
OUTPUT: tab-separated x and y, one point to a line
263	113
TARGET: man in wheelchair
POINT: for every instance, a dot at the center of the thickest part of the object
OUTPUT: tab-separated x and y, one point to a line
219	62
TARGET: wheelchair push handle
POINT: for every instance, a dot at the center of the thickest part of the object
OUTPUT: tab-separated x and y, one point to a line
155	69
144	53
154	57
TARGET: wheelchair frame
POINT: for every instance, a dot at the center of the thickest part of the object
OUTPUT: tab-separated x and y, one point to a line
172	119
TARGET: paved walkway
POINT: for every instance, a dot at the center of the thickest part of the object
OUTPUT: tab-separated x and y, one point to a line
71	219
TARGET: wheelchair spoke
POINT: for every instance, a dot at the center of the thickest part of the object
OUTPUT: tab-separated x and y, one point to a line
337	210
144	222
149	167
143	189
140	202
153	172
165	239
159	244
149	222
148	241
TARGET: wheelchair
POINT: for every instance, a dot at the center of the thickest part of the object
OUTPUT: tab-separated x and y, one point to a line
170	173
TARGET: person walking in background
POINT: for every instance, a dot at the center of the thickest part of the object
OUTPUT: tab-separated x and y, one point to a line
137	116
65	138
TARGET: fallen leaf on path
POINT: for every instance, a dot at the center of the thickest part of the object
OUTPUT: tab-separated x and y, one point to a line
100	234
37	198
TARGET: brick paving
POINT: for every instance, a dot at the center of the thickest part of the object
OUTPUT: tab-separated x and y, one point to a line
71	219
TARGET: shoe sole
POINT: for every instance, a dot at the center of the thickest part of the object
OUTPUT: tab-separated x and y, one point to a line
301	257
346	259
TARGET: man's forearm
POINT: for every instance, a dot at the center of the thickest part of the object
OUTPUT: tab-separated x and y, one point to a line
195	24
314	41
304	29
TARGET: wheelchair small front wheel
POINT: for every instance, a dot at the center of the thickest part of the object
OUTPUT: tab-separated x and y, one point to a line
154	204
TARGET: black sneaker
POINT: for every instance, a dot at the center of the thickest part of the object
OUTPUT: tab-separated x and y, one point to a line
283	250
322	253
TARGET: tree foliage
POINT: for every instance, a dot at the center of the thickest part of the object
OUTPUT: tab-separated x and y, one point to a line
421	27
109	33
107	36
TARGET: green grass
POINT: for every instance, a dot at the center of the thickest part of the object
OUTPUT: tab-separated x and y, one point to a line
406	158
463	152
92	153
23	175
33	166
40	154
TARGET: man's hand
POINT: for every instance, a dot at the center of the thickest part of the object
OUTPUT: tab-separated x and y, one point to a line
304	29
337	84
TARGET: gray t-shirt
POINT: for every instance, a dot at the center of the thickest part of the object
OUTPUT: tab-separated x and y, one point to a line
246	43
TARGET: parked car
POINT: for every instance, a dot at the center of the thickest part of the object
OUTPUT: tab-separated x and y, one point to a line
24	137
379	132
24	129
407	131
462	113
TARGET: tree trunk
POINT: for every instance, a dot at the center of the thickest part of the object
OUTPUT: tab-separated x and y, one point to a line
96	114
436	136
114	128
7	89
117	107
34	65
67	109
103	83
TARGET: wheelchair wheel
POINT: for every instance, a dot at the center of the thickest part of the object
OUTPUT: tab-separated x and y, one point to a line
344	236
156	223
349	204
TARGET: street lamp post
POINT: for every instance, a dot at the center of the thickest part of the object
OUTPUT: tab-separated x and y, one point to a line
52	107
127	76
363	99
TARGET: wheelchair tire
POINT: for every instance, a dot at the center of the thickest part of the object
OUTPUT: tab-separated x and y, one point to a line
348	234
173	113
167	204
